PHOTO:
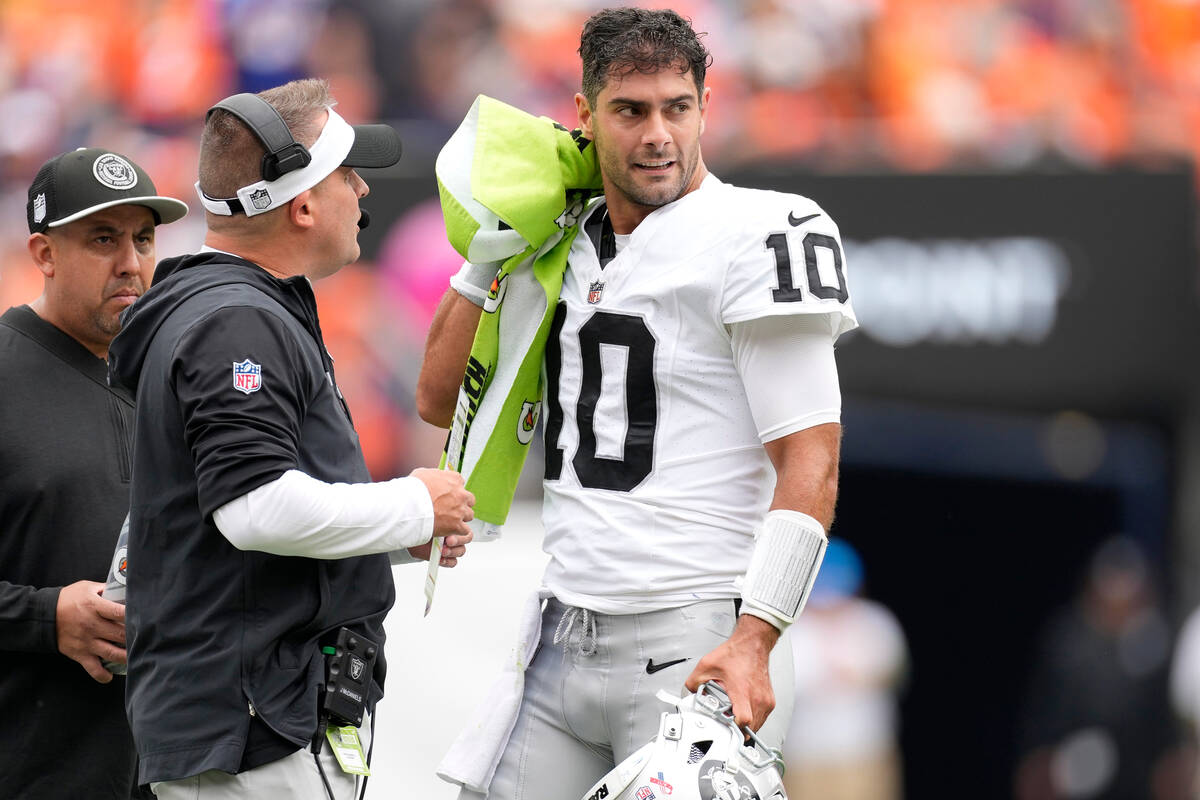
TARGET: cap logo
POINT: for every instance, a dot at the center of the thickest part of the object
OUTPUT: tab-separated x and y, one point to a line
114	172
39	207
260	198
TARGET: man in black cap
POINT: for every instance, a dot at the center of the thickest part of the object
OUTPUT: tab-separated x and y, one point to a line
65	439
262	552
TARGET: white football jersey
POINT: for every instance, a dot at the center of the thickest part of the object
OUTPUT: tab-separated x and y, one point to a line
655	474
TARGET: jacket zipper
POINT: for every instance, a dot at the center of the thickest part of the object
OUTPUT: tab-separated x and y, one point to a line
121	429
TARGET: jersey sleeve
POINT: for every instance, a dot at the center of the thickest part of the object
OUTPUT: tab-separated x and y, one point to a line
243	383
789	260
788	369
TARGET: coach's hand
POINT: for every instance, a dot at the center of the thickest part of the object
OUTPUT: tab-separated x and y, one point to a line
89	628
741	665
454	547
451	502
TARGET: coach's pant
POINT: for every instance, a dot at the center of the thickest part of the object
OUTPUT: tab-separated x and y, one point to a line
589	705
294	776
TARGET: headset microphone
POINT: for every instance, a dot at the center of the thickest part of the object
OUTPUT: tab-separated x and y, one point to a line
364	219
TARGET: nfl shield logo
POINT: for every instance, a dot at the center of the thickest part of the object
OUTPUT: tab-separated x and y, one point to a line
645	793
247	376
260	198
39	208
594	292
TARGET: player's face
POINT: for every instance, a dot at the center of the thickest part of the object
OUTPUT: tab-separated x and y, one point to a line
96	267
647	128
339	195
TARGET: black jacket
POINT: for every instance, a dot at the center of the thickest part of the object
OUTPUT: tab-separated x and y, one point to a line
64	489
234	387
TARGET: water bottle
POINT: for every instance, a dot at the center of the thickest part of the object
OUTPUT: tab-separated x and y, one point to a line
114	588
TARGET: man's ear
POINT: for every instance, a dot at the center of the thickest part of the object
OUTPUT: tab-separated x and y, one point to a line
705	99
301	211
43	253
584	110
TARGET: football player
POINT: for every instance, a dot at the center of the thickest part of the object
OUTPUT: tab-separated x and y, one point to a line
691	429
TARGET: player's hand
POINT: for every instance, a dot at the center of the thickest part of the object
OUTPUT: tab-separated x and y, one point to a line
452	504
90	629
741	665
454	547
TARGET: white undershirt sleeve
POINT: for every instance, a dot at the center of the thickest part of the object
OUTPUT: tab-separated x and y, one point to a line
788	369
298	515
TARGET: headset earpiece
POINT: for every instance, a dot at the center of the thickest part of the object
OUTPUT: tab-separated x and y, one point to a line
284	154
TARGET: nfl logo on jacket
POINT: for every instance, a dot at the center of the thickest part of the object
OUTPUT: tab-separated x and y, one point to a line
247	376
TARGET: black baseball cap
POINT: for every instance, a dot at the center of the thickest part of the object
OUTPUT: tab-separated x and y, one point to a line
71	186
374	146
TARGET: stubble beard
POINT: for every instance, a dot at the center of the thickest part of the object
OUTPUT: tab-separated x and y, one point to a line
658	194
106	326
623	176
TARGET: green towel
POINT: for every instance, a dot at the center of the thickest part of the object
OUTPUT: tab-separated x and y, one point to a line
512	187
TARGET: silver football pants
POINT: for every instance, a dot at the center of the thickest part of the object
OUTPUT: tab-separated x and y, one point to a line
590	699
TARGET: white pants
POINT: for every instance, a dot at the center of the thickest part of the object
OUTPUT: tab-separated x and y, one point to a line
589	705
294	776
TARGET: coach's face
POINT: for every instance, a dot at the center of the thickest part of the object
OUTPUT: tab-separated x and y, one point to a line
337	199
647	128
95	268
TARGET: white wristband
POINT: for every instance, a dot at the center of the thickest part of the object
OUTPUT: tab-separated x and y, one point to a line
788	549
474	281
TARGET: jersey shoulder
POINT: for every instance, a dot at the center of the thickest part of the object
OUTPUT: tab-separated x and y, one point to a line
785	257
761	211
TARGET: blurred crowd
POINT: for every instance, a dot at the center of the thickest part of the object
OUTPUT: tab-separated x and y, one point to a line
821	84
910	84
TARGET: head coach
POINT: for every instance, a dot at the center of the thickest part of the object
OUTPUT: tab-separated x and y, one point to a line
262	549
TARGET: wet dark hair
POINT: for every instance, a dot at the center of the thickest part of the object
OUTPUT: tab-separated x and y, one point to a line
618	41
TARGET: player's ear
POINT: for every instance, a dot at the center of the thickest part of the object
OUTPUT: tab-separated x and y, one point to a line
705	99
42	251
301	210
584	110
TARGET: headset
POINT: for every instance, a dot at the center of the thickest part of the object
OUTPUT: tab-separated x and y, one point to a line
284	154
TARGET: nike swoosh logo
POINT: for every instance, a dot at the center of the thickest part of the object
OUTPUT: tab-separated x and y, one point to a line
794	222
652	668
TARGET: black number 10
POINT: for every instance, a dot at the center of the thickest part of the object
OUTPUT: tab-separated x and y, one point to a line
787	291
641	401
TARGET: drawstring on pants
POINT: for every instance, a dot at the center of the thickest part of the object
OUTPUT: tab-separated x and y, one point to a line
587	636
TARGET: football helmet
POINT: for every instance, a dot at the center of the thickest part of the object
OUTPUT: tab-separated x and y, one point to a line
699	753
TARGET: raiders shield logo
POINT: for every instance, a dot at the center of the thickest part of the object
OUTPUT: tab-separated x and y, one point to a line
594	292
260	198
247	376
528	421
114	172
356	668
